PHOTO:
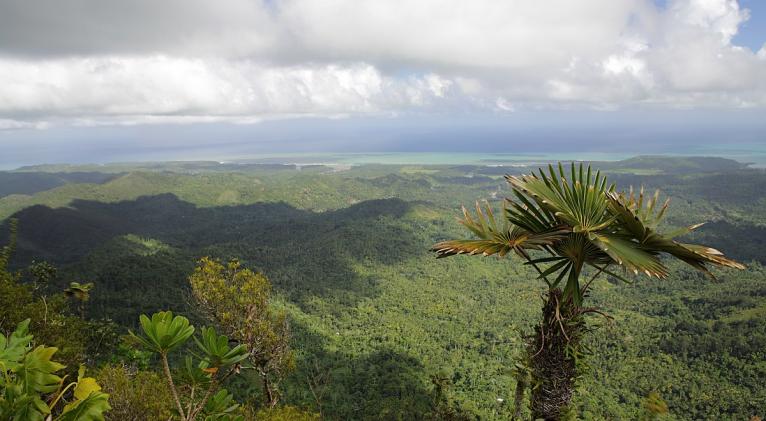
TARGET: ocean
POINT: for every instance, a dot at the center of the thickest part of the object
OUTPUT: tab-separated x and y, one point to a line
756	158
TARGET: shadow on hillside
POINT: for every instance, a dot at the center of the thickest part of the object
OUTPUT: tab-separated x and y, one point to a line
744	242
380	385
304	253
27	182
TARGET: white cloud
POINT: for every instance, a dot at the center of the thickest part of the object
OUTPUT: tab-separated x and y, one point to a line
180	88
6	124
503	104
721	17
244	61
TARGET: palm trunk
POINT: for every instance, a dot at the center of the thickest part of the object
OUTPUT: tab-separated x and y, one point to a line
552	351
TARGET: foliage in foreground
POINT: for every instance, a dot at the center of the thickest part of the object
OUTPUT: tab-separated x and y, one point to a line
164	333
32	391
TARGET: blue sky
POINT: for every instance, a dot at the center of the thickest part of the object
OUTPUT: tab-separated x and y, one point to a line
752	33
86	81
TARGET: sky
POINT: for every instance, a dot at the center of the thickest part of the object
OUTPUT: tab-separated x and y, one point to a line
95	80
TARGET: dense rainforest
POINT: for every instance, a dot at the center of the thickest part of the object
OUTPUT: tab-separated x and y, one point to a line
377	327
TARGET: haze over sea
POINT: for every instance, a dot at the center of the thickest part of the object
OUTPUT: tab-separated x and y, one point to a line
754	155
458	139
756	158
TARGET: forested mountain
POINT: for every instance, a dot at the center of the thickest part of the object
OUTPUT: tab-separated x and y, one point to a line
380	328
26	183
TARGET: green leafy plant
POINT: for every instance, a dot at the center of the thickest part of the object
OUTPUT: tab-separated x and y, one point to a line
31	389
222	407
237	300
164	333
570	220
216	349
42	274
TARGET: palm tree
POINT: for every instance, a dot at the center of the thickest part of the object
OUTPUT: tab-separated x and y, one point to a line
81	292
569	222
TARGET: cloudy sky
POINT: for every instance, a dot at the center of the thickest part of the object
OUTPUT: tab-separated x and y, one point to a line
121	73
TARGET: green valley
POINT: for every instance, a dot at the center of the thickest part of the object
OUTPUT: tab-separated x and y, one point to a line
381	329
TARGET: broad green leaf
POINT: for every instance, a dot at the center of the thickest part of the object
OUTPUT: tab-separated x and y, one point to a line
216	350
86	386
92	408
163	332
221	406
30	408
37	372
12	348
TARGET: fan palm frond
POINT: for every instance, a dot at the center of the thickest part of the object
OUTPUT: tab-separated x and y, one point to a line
494	238
578	203
628	253
576	219
641	223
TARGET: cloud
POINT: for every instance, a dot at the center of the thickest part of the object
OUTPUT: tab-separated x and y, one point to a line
44	28
180	89
111	62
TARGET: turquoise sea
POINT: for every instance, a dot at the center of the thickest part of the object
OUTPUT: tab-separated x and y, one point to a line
751	153
757	158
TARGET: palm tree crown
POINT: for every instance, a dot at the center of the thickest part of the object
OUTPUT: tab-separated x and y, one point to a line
577	220
79	291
